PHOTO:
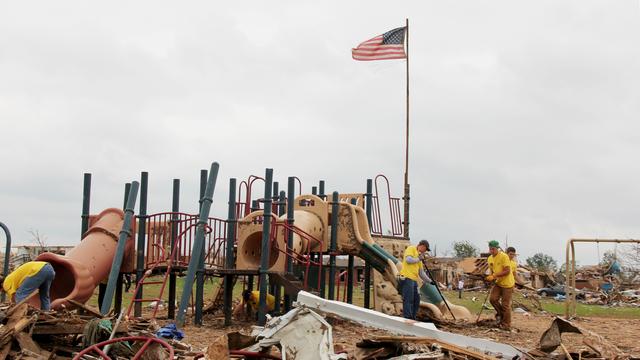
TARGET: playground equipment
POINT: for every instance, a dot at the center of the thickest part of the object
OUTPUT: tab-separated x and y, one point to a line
312	228
86	265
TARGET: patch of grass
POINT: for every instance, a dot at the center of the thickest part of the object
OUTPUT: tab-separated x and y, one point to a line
548	304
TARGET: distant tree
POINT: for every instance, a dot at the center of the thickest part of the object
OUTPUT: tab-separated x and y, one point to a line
542	262
39	239
631	256
464	249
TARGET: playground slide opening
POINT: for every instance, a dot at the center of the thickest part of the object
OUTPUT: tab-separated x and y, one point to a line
86	265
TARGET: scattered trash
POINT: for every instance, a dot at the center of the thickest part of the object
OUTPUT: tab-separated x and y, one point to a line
170	331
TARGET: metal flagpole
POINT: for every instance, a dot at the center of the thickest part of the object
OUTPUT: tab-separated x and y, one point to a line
406	155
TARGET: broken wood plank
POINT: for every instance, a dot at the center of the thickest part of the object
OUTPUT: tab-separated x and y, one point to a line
67	329
566	352
443	344
13	308
26	343
87	308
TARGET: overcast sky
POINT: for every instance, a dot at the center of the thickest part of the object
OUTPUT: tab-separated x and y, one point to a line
524	115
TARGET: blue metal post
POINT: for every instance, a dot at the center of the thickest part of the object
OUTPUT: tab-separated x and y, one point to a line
200	271
140	246
367	266
264	255
198	244
229	258
333	245
122	240
117	306
175	224
7	256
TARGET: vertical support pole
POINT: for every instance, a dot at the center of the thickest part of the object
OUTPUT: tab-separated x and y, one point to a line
7	256
289	263
277	288
406	149
200	271
117	306
276	191
350	272
333	245
321	190
140	246
175	208
86	200
125	232
264	255
314	190
367	266
229	258
198	245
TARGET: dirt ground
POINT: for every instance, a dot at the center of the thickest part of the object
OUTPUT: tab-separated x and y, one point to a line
525	335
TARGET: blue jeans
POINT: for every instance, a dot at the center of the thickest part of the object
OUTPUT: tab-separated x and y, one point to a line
410	299
41	281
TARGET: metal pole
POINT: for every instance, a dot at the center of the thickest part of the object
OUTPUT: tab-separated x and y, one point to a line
264	255
406	160
7	256
314	190
333	245
229	259
290	202
198	245
321	193
175	221
367	265
350	268
142	228
117	306
86	200
125	232
200	271
277	288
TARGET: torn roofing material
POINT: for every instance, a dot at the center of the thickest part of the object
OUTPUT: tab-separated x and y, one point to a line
403	326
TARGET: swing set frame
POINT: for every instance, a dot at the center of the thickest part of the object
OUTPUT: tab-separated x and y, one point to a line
570	271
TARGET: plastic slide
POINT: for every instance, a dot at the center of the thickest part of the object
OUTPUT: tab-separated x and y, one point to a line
86	265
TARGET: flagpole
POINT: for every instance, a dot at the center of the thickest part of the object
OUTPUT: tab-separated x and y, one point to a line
406	150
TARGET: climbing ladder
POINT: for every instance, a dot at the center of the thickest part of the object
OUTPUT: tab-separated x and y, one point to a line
219	299
170	262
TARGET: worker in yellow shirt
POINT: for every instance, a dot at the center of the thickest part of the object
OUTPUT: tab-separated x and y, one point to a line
412	269
511	251
29	277
251	301
500	273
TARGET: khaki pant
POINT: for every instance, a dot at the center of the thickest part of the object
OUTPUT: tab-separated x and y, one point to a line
500	299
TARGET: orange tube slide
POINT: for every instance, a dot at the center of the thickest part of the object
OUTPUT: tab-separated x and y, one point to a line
86	265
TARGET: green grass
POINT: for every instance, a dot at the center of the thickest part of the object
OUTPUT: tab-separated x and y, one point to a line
548	304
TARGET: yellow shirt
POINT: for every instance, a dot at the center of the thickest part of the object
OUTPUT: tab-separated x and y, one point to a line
411	271
497	264
514	267
12	281
254	300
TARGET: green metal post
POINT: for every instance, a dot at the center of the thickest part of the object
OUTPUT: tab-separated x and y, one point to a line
314	190
125	232
321	190
7	256
229	258
264	255
200	271
117	306
86	200
289	262
367	266
333	245
140	246
175	223
350	266
198	244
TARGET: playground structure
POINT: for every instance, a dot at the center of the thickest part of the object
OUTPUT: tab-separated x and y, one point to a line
285	242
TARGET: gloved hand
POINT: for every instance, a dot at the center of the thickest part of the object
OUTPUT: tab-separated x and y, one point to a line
490	278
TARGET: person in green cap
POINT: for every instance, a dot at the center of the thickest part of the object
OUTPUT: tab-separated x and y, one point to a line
501	274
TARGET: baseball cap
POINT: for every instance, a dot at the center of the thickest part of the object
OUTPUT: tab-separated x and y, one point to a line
494	244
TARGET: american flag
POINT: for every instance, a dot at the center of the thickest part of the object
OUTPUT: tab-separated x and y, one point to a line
389	45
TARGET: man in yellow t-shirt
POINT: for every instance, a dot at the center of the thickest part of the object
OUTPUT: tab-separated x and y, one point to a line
511	252
500	273
412	269
29	277
251	301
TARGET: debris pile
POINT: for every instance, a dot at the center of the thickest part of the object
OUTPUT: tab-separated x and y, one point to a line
29	333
